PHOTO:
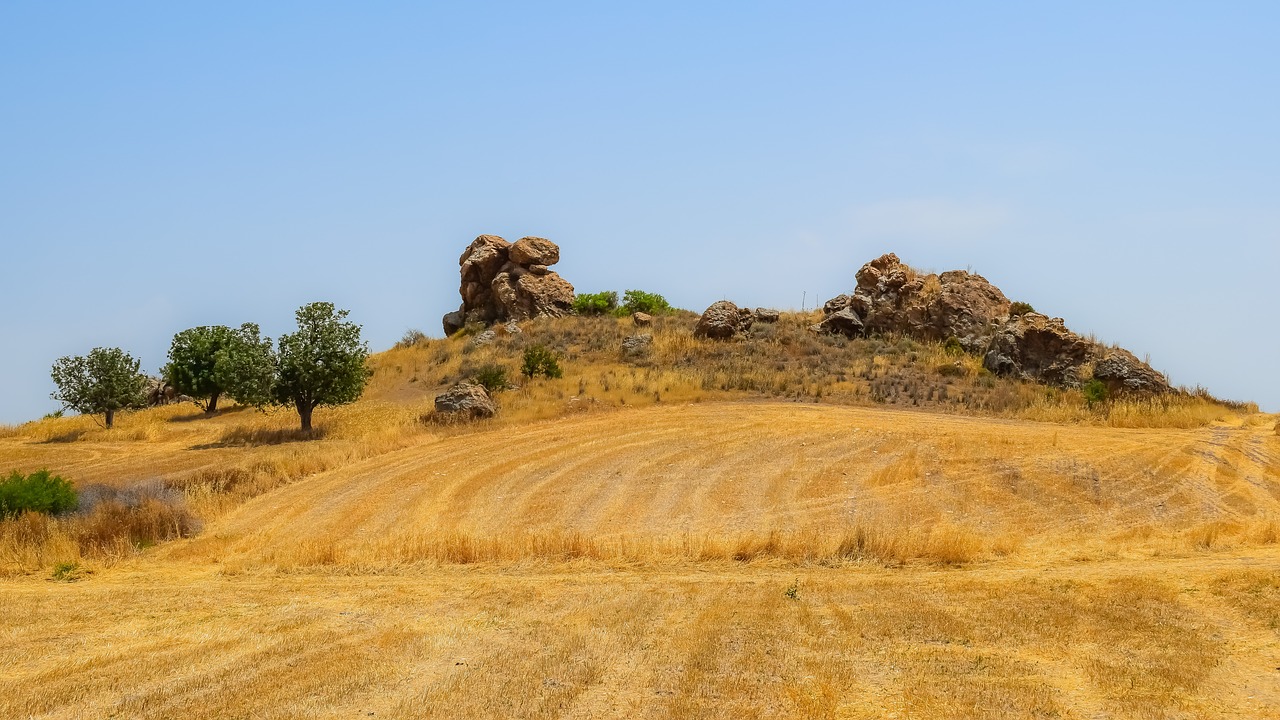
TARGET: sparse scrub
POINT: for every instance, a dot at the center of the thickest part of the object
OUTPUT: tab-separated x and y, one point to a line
1020	308
411	337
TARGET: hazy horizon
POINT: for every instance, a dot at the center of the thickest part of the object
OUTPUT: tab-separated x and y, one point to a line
167	167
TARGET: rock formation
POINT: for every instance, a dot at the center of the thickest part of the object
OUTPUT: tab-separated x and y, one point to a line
1037	347
158	392
504	281
466	400
723	321
767	315
891	297
640	319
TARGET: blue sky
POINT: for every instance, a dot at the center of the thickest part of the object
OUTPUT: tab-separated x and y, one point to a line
166	165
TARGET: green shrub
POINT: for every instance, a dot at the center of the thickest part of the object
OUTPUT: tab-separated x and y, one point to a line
538	360
952	346
634	301
1020	308
38	492
1095	391
492	377
68	572
600	303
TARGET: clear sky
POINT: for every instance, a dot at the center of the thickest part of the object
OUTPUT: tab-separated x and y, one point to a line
166	165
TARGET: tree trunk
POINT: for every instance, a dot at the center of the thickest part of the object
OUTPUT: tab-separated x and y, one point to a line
213	404
304	414
111	418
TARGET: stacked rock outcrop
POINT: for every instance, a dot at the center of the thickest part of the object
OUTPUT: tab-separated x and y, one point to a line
504	281
892	297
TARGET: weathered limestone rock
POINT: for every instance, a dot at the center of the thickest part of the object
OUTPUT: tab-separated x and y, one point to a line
503	281
636	345
466	400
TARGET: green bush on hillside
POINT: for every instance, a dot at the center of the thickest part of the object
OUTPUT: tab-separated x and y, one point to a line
601	303
493	378
634	301
1020	308
1095	391
538	360
37	492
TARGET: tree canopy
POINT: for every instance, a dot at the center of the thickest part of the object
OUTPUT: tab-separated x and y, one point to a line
209	361
323	363
104	381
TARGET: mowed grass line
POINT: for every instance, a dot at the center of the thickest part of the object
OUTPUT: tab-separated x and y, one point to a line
742	472
1128	640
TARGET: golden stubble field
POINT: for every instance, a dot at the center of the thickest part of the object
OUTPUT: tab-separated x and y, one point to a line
713	559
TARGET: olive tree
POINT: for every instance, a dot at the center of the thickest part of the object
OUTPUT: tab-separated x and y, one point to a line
210	361
323	363
102	382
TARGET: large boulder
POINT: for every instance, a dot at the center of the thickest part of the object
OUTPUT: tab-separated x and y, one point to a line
892	297
535	251
1035	347
723	321
504	281
1123	372
466	400
156	391
767	315
636	345
842	322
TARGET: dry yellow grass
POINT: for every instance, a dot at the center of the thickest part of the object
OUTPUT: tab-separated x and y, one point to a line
642	541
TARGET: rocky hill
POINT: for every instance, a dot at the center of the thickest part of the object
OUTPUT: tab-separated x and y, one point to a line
959	306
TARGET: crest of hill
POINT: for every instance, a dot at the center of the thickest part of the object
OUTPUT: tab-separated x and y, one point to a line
962	307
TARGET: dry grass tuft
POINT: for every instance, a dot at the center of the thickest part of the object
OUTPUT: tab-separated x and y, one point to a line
111	525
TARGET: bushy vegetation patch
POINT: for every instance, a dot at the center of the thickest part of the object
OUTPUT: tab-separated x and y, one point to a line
493	378
1095	392
1020	308
634	301
38	492
601	303
538	360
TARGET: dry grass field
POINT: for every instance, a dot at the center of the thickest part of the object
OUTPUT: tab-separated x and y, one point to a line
668	539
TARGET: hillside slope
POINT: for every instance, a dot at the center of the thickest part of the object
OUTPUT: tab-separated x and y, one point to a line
756	529
1103	578
733	469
